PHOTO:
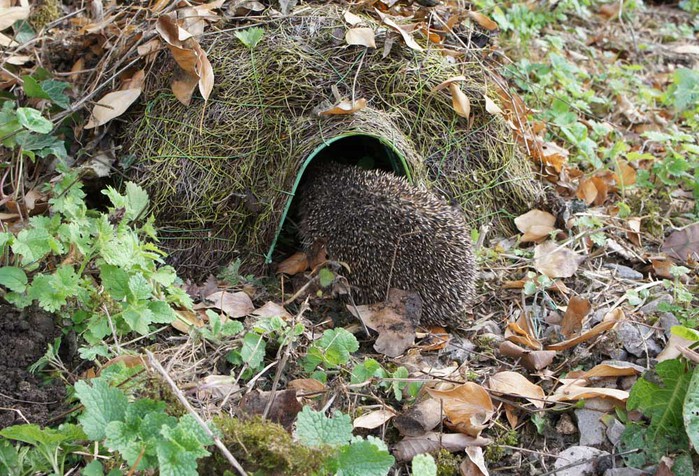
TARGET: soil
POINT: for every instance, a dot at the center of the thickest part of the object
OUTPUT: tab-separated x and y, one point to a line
24	337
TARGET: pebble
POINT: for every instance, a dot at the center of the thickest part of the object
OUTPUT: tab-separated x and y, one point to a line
652	307
587	456
666	321
614	431
624	272
565	425
592	430
638	339
625	472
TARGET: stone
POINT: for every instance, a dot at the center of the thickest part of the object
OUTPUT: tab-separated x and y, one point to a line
587	457
638	340
652	307
666	321
565	425
625	472
624	272
592	430
614	430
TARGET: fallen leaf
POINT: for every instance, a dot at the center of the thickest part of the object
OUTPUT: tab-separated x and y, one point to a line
407	37
468	407
683	244
532	360
474	464
578	309
352	19
460	101
626	175
512	383
621	369
409	447
573	392
609	321
520	332
393	320
112	105
483	20
535	225
373	419
234	305
587	191
491	107
448	82
294	264
183	87
686	49
271	309
634	233
306	385
345	107
420	418
10	15
216	387
361	37
186	320
555	261
283	408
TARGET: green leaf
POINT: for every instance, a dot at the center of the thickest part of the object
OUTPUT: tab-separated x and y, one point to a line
138	317
115	281
9	459
424	465
253	350
13	278
162	313
250	37
93	469
332	349
363	458
326	277
690	410
685	332
660	397
52	291
136	201
103	404
32	119
32	244
315	429
179	448
43	144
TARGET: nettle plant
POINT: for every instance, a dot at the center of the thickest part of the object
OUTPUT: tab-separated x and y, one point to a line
99	271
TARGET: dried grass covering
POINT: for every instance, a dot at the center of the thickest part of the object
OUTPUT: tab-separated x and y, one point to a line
220	192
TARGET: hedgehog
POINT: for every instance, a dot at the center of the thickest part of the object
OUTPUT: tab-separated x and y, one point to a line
391	234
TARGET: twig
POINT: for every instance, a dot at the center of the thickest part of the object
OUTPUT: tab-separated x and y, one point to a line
183	400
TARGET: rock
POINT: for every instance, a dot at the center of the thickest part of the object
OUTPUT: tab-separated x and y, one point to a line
459	349
587	457
565	425
652	307
490	327
625	472
637	339
666	321
624	272
614	430
592	430
601	405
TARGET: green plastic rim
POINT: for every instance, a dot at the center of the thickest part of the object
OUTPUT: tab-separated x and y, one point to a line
395	158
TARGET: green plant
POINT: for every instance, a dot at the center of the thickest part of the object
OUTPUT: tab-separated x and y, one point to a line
353	456
370	369
99	271
332	350
663	396
50	448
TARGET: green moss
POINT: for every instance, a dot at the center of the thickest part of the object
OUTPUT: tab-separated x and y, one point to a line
447	463
263	447
495	452
45	13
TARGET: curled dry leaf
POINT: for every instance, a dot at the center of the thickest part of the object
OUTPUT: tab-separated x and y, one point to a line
512	383
683	244
283	408
617	369
374	419
535	225
578	309
407	37
460	101
10	15
626	175
483	20
112	105
353	19
467	406
306	385
408	448
531	360
520	332
610	320
491	107
361	37
185	320
474	465
271	309
294	264
420	418
555	261
575	391
448	82
236	304
344	107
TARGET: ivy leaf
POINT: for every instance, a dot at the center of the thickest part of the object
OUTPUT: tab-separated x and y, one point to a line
32	119
103	404
363	458
315	429
13	278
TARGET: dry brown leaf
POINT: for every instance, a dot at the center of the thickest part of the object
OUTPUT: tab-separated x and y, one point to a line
634	233
491	107
9	15
532	360
183	87
535	225
420	418
447	82
578	309
621	369
216	387
512	383
460	101
520	333
674	347
294	264
306	385
555	261
271	309
626	175
185	320
409	447
683	244
574	392
511	415
7	42
407	37
393	320
112	105
374	419
483	20
609	321
686	49
468	407
661	267
352	19
236	304
345	107
205	72
361	37
474	465
556	285
283	408
587	192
